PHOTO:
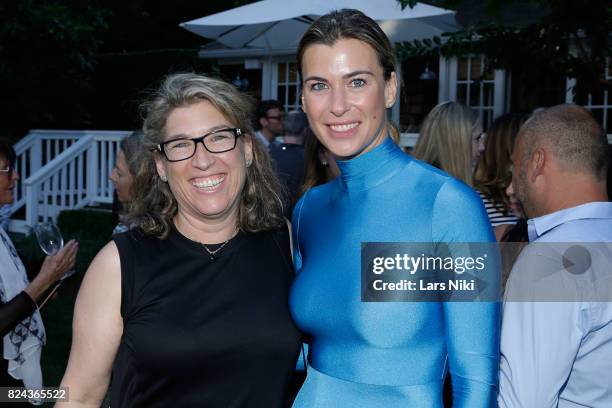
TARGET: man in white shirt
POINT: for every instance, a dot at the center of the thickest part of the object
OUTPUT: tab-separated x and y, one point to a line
269	124
556	346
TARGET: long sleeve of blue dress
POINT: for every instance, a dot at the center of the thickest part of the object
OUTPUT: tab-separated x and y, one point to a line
388	354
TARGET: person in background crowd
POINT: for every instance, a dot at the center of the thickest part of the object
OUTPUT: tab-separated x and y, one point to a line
319	164
558	353
126	165
451	139
269	122
288	157
494	171
370	354
190	309
21	327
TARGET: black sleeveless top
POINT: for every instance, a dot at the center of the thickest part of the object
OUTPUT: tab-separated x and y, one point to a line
202	333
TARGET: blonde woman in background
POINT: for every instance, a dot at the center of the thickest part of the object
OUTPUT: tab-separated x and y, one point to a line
451	139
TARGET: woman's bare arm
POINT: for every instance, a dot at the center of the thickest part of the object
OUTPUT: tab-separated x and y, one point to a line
97	329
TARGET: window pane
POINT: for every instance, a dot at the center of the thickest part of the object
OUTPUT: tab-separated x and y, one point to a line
476	68
598	114
462	93
488	94
462	69
292	72
418	95
292	99
580	99
487	118
282	73
281	94
475	94
597	98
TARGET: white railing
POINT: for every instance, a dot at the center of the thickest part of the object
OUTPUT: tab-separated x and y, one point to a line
63	170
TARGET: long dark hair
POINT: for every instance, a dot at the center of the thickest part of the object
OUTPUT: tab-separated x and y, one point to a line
493	173
7	151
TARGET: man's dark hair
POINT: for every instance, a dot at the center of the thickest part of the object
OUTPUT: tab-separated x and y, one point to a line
7	151
263	108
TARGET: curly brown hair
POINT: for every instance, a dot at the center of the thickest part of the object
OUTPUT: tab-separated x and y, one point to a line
261	203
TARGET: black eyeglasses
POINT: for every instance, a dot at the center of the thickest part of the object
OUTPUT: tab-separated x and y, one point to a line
9	170
217	141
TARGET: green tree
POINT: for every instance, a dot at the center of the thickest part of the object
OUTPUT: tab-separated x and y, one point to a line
571	39
47	51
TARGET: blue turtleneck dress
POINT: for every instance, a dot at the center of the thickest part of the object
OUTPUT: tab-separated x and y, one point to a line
392	354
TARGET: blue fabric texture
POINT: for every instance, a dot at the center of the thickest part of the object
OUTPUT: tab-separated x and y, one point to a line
388	354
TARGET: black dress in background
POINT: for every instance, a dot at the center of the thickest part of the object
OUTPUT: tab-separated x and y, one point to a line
202	333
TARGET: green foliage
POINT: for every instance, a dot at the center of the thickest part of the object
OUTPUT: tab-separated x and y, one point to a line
407	3
86	223
572	39
46	49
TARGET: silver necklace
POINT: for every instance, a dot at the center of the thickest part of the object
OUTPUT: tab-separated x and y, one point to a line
212	253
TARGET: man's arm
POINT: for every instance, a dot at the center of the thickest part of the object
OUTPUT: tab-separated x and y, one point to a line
539	341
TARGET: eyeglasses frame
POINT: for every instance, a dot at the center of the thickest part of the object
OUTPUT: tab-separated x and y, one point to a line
9	170
236	131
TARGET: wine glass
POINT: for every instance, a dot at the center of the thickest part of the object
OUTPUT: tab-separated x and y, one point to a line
50	239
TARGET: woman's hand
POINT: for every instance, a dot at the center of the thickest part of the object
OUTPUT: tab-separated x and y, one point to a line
52	270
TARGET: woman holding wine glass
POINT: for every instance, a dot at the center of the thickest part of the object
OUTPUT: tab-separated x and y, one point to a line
190	308
20	323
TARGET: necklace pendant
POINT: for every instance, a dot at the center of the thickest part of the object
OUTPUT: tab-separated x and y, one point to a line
212	257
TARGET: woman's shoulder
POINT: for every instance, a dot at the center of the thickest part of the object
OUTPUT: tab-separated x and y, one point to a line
135	238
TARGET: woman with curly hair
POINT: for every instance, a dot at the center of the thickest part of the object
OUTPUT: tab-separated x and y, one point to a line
191	309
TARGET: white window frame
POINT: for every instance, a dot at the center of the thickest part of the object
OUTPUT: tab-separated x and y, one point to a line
271	82
448	74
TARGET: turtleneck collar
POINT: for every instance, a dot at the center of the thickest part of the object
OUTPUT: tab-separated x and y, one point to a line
372	168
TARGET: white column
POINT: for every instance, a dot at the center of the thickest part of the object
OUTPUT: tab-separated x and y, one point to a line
443	83
499	93
452	79
274	80
266	78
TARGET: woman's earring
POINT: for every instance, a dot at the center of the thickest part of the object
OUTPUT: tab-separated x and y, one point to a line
163	178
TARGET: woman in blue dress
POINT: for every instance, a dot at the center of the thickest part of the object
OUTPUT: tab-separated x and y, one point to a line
378	354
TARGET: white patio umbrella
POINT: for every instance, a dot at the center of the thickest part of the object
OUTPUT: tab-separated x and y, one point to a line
278	24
